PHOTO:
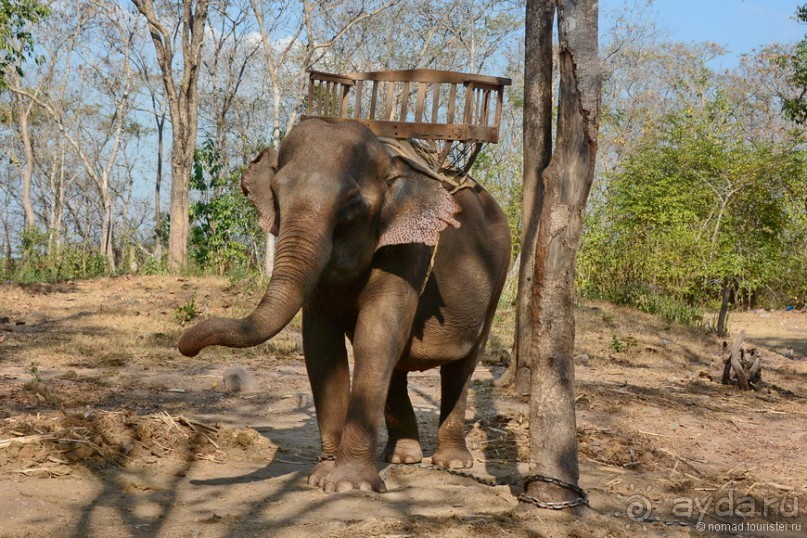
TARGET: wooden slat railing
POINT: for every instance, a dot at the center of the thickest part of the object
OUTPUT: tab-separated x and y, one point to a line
387	108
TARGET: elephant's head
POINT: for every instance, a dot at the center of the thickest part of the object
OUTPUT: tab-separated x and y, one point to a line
333	196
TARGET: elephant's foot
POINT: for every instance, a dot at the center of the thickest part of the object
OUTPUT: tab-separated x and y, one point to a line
403	451
323	469
353	475
453	458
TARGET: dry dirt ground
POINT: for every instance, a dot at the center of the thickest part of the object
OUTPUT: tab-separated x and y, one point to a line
106	430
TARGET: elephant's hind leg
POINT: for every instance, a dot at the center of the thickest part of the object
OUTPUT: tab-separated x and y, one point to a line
452	452
403	443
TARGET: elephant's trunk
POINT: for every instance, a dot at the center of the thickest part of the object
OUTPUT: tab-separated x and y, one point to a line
300	258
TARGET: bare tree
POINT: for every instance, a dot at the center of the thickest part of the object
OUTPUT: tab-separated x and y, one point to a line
183	103
559	190
59	182
231	54
640	74
23	111
276	52
89	141
22	108
158	113
96	145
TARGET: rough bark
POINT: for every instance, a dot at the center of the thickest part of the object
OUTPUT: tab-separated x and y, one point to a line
736	364
537	153
562	192
183	105
746	365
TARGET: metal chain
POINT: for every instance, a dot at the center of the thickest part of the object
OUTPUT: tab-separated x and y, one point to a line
582	498
464	474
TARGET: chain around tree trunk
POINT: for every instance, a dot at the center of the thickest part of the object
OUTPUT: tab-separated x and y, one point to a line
582	496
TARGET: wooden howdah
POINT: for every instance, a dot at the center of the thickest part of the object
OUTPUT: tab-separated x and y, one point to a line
454	114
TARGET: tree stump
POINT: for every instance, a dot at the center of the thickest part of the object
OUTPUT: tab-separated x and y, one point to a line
742	366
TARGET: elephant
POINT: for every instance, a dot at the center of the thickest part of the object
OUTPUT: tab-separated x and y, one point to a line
375	250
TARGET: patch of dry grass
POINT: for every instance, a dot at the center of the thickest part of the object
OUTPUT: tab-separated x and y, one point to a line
114	322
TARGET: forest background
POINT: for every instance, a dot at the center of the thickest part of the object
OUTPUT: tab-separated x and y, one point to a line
700	195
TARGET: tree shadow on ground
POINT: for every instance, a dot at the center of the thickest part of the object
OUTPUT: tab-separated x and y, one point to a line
150	503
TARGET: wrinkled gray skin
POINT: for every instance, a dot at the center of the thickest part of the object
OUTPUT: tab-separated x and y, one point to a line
354	227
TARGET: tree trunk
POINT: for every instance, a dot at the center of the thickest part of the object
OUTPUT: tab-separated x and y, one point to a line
158	217
6	250
537	153
58	203
561	196
55	181
274	60
722	317
180	208
271	241
23	110
269	261
107	246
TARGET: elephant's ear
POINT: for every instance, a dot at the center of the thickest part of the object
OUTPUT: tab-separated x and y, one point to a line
416	208
257	186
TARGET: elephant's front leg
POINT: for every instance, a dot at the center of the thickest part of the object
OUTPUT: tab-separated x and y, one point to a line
329	375
387	308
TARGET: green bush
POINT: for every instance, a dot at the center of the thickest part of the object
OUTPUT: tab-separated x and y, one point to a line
223	221
36	265
694	208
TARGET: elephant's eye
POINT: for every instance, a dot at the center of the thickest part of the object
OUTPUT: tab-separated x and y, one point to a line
352	210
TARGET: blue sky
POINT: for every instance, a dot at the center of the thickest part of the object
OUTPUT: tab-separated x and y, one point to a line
740	26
